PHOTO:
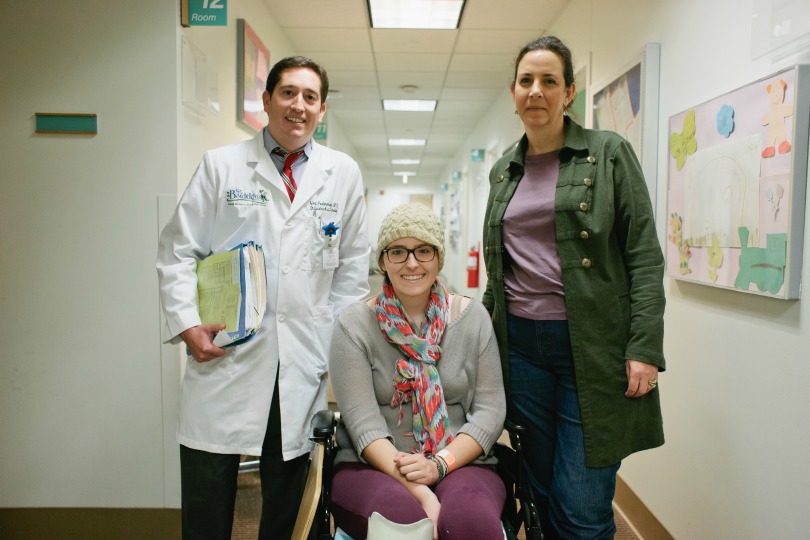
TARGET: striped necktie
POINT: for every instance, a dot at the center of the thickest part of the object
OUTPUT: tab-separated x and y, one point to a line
286	174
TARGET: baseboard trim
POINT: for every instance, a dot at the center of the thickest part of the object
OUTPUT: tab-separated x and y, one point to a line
637	515
90	523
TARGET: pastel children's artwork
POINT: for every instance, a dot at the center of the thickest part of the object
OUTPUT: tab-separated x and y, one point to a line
774	196
765	267
776	139
676	237
738	169
725	120
721	192
715	258
684	143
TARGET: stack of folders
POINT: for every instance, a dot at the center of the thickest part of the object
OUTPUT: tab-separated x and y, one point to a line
232	290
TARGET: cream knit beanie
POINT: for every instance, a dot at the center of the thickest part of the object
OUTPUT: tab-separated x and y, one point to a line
412	220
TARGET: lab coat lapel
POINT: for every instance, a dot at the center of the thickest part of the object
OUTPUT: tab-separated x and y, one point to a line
259	159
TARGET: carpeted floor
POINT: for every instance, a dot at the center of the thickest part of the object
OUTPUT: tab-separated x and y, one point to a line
248	512
248	509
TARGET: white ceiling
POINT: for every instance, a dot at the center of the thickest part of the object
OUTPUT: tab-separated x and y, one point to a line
464	69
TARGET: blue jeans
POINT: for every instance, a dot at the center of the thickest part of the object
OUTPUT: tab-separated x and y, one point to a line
575	501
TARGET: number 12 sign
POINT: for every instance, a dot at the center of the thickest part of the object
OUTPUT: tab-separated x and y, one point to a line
204	12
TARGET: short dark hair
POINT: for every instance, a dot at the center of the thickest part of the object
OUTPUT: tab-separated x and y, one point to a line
553	44
294	62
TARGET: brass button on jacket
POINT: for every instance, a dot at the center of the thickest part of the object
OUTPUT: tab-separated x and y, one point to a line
586	263
584	235
583	206
588	182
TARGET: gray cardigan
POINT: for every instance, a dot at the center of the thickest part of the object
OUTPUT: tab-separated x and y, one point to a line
361	368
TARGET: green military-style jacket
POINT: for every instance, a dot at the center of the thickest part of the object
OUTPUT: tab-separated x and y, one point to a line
612	275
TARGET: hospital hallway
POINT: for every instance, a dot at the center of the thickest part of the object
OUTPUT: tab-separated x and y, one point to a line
109	107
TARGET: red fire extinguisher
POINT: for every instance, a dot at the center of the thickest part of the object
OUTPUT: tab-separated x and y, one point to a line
472	268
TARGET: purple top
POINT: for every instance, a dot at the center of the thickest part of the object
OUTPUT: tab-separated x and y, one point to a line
532	279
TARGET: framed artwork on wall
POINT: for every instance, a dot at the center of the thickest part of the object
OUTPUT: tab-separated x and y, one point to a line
737	182
627	103
252	67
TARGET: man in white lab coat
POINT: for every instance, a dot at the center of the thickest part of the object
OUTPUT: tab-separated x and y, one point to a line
257	398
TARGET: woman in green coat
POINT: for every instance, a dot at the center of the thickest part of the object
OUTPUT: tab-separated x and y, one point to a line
575	290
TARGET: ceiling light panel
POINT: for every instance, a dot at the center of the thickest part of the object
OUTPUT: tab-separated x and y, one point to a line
410	105
406	142
416	14
405	162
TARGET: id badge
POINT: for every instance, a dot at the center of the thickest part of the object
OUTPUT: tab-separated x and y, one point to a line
330	258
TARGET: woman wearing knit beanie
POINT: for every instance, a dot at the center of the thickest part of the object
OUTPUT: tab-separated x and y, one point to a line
417	378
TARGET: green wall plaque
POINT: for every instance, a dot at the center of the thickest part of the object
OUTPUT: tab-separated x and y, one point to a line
66	123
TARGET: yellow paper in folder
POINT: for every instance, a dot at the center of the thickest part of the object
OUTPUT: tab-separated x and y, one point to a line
219	290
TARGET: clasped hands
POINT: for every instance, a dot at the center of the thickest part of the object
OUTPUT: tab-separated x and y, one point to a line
417	468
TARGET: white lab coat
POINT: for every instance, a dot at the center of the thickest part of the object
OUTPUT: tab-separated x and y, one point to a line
235	196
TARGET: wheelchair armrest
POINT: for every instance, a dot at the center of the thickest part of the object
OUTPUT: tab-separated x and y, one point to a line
516	433
323	426
514	427
528	514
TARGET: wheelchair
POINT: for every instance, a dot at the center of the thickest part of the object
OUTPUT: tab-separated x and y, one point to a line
519	510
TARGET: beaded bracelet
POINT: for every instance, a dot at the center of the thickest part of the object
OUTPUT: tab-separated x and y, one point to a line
441	468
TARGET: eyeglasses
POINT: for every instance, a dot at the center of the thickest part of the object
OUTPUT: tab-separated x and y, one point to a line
398	255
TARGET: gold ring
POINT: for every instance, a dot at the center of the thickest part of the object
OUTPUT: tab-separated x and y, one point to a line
652	383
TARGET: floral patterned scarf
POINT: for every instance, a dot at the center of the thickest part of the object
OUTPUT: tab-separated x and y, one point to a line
416	378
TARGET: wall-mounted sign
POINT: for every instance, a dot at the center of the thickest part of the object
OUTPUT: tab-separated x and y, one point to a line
204	12
456	176
477	154
321	132
66	123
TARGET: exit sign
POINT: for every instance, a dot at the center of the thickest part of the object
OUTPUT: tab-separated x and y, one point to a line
321	132
204	12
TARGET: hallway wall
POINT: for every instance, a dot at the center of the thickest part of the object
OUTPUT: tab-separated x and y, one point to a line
734	397
80	376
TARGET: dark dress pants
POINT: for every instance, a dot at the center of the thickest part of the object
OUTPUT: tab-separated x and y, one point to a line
208	484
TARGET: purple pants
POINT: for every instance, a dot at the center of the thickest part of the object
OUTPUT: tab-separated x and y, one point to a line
472	500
